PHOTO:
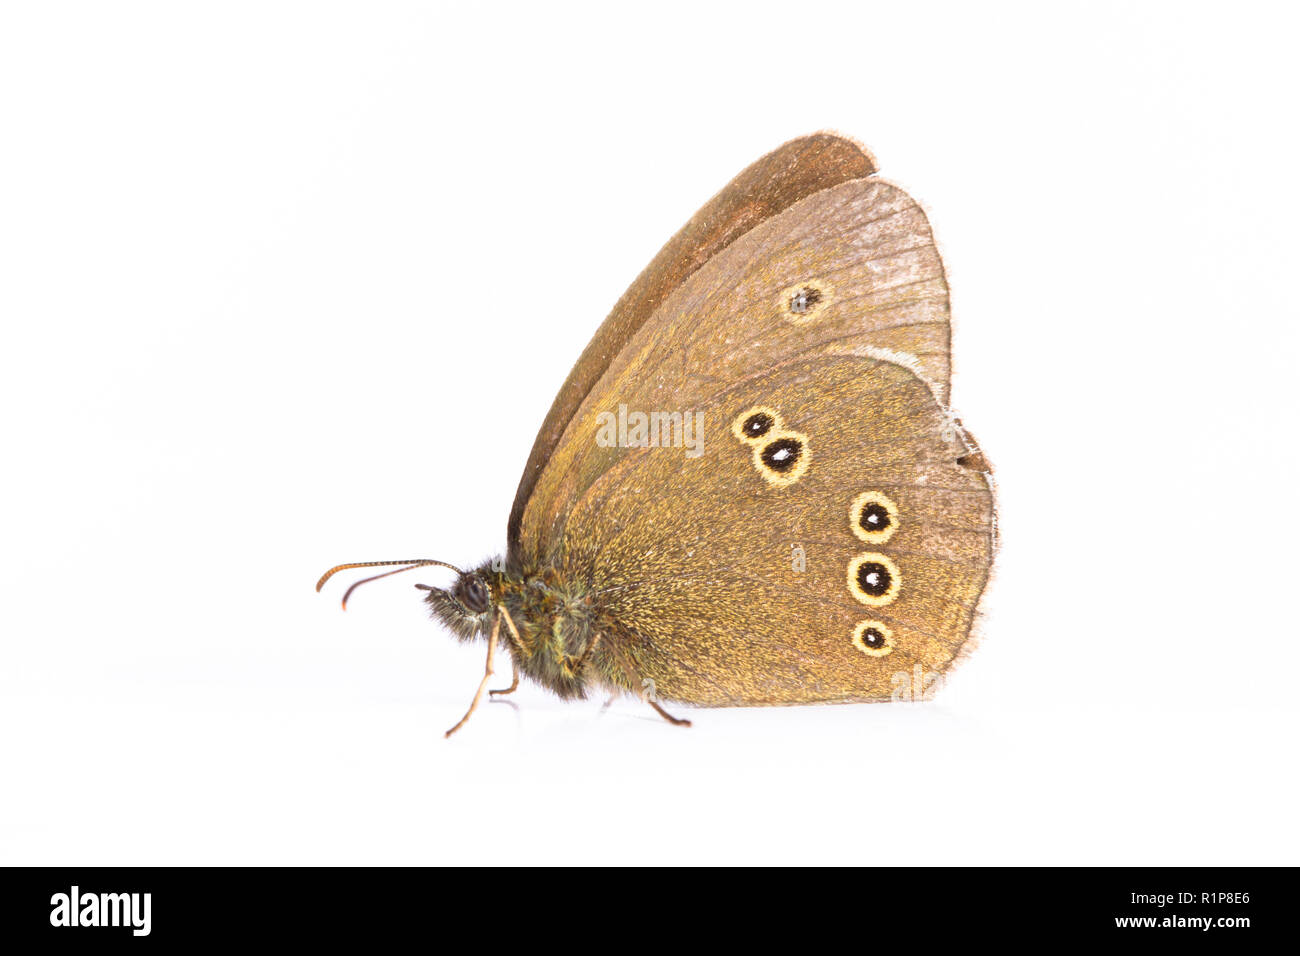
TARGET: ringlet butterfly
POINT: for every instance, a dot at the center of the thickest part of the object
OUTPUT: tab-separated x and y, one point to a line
749	490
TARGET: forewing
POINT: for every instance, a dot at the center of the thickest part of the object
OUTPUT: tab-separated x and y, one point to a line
775	182
850	270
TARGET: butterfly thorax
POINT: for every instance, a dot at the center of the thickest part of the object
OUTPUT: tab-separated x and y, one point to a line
556	626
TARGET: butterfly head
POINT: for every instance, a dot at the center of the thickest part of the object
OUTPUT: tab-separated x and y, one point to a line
465	607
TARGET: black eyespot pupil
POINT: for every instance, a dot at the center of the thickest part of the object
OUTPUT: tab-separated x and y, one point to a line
874	517
757	425
873	639
873	578
804	299
782	454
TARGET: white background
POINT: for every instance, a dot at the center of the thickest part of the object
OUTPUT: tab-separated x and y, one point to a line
287	285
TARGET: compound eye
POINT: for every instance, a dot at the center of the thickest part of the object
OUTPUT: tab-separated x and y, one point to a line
475	594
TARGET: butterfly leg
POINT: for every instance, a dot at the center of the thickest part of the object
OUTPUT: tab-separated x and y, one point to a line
514	664
586	652
675	721
487	674
510	623
647	694
514	683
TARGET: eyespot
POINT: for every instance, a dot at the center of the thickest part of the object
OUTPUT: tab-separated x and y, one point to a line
753	423
874	579
782	454
757	425
975	461
805	301
873	638
873	517
782	457
473	593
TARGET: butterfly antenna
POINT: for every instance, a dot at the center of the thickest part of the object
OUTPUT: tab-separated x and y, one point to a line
411	564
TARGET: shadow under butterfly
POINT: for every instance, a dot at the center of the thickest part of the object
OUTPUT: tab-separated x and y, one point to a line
800	323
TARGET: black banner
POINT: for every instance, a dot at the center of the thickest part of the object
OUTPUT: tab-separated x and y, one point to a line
1223	907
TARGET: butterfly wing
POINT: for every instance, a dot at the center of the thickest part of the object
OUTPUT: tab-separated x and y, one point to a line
772	184
735	577
849	270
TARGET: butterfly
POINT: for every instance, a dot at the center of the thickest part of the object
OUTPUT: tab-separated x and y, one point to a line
750	489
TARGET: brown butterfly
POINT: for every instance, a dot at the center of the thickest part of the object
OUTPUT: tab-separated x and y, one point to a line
750	489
